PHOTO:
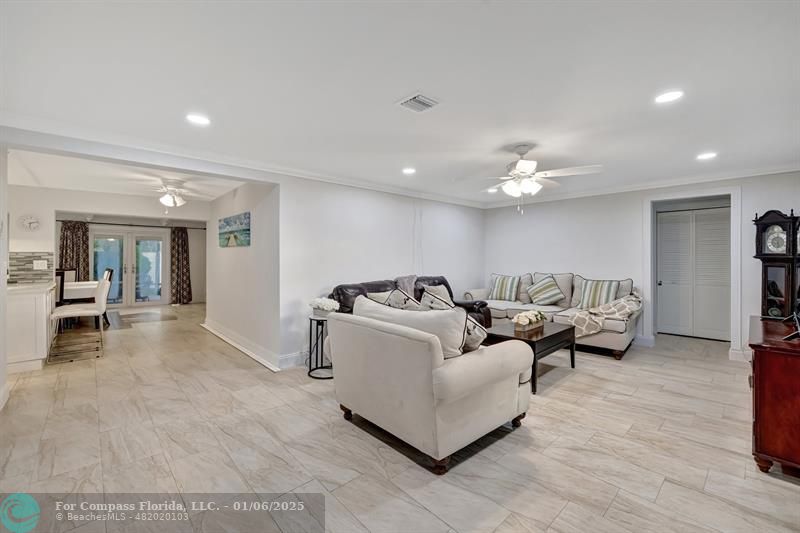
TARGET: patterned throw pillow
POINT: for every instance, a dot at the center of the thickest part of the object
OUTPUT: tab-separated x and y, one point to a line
379	297
504	287
545	291
399	299
598	292
475	335
432	299
440	291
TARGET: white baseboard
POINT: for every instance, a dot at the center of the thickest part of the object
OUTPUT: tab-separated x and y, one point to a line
290	360
5	390
258	353
740	355
25	366
648	341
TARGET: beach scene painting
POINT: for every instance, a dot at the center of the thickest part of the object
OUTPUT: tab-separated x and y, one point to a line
234	230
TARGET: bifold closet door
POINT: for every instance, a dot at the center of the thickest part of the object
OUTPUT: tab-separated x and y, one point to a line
674	269
693	273
712	273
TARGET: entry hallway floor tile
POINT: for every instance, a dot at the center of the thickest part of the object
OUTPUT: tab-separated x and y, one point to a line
656	442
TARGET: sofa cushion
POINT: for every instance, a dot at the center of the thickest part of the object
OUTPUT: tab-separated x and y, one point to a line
498	308
625	288
346	294
504	288
380	297
596	292
564	282
548	310
475	335
439	292
525	281
545	292
610	324
448	325
400	299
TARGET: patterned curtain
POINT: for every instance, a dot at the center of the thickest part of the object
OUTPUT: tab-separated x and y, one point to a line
181	279
73	253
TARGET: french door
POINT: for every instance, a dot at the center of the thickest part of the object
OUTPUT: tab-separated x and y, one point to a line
139	262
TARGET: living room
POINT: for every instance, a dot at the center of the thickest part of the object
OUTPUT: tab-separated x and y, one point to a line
590	119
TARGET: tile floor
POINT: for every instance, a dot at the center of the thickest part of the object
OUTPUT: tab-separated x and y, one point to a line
657	442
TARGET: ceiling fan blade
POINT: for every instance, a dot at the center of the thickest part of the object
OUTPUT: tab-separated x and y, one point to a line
547	182
570	171
480	178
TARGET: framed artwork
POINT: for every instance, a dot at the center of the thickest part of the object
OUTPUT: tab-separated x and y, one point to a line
234	230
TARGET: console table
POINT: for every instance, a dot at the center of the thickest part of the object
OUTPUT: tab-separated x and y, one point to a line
775	382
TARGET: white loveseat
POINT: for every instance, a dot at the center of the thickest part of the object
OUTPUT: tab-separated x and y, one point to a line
616	335
397	378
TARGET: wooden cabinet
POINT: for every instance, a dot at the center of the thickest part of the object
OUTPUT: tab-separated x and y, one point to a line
776	395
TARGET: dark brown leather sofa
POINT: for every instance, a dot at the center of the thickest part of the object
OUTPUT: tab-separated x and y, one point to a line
347	293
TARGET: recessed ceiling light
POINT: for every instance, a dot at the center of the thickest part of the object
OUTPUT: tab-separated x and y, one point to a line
492	190
408	171
197	119
669	96
705	156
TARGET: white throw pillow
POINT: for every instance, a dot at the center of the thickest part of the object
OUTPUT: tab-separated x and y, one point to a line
433	298
400	299
380	297
475	335
449	325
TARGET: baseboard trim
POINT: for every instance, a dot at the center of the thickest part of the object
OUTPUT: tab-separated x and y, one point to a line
648	341
25	366
257	353
5	390
291	360
740	355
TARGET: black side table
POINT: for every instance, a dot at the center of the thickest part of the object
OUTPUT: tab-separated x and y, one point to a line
317	368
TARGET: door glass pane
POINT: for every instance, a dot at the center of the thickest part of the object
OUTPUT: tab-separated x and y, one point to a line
108	252
776	291
148	269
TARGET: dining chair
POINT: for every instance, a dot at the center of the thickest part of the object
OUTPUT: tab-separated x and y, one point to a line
70	275
59	288
108	275
95	309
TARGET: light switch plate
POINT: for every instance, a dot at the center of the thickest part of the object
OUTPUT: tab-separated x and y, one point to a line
40	264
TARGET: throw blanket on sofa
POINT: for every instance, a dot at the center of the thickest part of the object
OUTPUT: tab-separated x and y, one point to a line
592	320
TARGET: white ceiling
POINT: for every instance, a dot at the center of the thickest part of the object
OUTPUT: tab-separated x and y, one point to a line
312	86
34	169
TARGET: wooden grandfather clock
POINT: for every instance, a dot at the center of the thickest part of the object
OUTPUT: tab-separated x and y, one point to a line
778	248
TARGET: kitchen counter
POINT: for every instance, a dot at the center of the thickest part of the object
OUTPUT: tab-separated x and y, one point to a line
30	288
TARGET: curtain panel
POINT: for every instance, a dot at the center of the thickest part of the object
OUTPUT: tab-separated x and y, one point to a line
73	253
180	275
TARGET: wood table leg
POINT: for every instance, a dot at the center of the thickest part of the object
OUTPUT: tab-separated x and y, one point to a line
534	372
572	353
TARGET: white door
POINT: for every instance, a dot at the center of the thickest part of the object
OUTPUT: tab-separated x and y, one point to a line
675	279
712	273
693	267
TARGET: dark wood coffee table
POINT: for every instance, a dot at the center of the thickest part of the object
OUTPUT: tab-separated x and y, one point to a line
543	341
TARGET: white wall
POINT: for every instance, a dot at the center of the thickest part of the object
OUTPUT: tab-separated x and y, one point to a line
602	237
242	283
197	263
4	390
331	234
44	203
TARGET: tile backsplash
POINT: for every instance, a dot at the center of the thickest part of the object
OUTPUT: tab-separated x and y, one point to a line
20	267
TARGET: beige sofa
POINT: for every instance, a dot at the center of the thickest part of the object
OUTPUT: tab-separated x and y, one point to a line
616	336
397	378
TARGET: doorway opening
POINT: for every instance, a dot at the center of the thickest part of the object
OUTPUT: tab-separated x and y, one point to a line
692	267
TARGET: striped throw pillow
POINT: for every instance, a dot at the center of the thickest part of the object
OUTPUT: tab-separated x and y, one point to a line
504	288
545	291
598	292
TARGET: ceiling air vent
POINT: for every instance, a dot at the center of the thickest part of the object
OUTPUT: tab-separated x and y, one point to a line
418	103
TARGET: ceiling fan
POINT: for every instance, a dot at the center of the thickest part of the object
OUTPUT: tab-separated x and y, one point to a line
523	177
173	192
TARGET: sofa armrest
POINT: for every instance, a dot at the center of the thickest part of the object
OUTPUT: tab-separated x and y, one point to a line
462	375
477	294
477	309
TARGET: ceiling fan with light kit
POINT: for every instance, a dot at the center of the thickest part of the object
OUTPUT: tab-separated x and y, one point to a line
523	178
173	193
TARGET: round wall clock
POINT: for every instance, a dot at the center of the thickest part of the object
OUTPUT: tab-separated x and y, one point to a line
775	240
29	222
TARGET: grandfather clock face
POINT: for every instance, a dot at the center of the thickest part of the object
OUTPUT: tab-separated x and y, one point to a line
774	240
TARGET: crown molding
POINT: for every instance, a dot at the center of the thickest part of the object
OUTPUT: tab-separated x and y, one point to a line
26	134
47	136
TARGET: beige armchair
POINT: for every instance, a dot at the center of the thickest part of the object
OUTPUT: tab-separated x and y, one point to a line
397	378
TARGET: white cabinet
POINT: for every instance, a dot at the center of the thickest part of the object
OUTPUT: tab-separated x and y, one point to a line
29	328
